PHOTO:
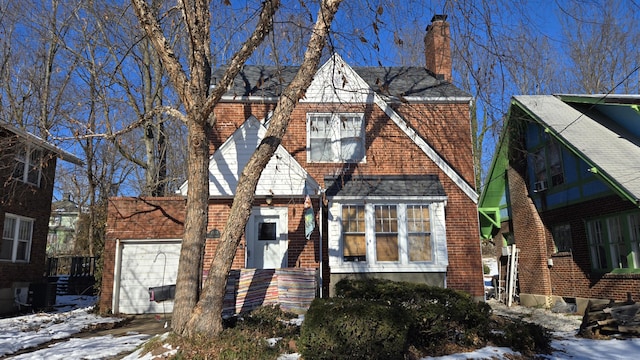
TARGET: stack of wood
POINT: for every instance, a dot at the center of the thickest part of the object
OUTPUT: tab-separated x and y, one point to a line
621	318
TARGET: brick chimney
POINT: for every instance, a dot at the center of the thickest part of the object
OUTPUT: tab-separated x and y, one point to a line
437	47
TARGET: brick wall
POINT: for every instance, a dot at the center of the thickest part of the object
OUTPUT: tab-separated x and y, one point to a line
33	202
389	151
137	218
571	274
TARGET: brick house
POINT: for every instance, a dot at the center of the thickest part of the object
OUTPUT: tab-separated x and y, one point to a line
381	154
26	188
564	188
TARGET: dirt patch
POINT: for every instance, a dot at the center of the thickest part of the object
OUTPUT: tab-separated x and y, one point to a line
141	324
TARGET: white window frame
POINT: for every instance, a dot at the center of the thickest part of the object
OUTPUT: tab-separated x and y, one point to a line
15	237
336	137
437	238
27	163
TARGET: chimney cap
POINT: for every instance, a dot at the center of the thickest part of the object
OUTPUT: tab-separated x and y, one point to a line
439	17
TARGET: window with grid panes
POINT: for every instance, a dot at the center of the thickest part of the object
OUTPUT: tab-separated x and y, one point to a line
419	233
16	238
386	232
335	137
353	233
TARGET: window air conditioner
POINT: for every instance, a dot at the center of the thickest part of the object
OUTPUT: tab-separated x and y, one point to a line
540	186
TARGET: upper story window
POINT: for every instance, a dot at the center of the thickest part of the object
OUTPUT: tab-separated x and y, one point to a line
335	137
547	166
28	165
16	238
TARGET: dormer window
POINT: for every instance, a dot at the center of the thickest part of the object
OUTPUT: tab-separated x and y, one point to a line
28	165
335	137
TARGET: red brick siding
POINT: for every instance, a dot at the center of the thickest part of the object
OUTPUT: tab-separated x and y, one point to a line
137	218
33	202
445	127
571	274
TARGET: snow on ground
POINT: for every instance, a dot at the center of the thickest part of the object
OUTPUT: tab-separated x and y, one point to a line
73	315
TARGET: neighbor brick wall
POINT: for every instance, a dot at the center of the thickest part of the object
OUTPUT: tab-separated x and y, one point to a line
530	237
33	202
571	274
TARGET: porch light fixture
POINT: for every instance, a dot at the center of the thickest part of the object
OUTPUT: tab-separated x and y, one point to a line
269	198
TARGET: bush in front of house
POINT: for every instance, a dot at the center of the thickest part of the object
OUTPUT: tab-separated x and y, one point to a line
340	328
438	317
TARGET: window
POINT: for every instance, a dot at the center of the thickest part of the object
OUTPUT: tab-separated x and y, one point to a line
615	242
354	248
619	250
28	165
562	237
547	166
267	231
16	238
596	245
335	137
634	232
388	233
419	233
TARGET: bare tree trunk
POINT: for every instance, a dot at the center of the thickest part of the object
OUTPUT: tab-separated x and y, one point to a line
206	317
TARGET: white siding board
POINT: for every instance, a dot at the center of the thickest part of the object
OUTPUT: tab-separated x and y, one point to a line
283	175
144	265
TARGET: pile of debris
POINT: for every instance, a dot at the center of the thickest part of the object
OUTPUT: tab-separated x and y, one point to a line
614	318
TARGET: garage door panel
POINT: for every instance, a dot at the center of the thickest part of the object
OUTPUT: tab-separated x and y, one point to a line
146	265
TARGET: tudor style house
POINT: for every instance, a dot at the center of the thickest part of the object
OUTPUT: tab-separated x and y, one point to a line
26	189
374	178
564	188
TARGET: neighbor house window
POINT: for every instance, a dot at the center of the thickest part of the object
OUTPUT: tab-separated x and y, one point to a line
399	233
562	237
597	245
614	242
354	247
16	238
335	137
634	232
547	166
28	165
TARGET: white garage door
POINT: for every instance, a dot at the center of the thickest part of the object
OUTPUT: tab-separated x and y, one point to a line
145	265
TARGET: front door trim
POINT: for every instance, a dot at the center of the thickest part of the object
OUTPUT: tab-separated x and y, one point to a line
251	236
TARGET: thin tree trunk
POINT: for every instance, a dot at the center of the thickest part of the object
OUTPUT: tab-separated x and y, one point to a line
206	317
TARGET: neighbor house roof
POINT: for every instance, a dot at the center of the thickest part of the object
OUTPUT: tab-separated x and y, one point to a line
385	186
32	139
605	133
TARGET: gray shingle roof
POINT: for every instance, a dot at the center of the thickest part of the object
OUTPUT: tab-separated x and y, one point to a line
614	150
384	185
406	83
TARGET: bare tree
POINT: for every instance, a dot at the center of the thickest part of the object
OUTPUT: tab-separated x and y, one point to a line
204	316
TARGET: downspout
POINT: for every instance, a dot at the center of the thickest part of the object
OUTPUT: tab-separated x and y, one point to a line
321	224
115	300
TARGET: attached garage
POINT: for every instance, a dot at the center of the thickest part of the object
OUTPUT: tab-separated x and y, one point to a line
140	265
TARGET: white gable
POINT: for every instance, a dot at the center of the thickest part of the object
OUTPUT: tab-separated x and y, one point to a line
337	82
283	175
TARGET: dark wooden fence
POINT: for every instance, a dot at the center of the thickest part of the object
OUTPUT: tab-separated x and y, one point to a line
74	275
73	266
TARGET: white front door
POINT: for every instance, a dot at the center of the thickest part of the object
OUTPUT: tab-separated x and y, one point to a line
266	233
